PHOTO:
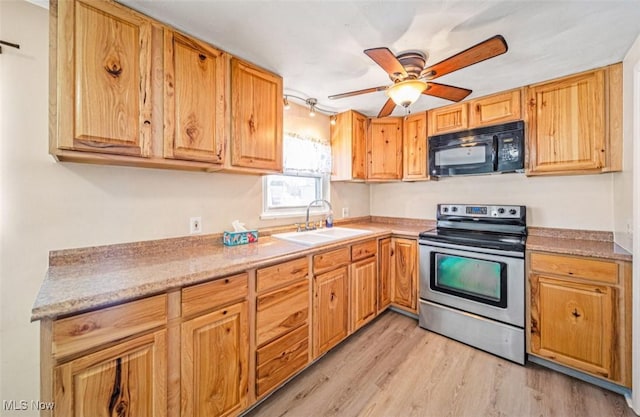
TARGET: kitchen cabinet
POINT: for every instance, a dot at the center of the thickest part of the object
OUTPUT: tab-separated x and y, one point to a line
574	123
580	313
404	274
194	99
415	148
495	109
447	119
256	118
384	274
214	348
214	366
101	79
330	309
384	149
363	284
349	147
282	318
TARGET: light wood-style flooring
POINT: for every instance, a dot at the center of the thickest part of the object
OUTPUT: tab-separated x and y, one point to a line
392	367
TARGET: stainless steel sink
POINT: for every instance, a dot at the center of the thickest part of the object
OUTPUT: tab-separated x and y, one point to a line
321	236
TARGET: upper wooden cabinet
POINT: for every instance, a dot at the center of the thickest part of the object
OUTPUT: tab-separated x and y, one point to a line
485	111
100	79
448	119
349	147
384	149
415	147
574	123
495	109
256	117
194	99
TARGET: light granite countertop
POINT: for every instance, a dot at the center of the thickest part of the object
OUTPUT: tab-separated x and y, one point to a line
87	278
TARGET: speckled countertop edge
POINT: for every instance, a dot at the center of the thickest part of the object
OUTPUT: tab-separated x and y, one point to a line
87	278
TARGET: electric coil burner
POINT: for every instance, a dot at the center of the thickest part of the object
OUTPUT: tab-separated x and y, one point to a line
472	277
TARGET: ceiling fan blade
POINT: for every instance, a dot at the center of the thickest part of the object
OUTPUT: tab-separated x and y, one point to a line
484	50
356	92
447	92
387	109
387	60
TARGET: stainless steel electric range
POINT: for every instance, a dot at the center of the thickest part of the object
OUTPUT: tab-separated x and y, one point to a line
472	281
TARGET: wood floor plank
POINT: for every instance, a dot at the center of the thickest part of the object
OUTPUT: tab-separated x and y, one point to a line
392	367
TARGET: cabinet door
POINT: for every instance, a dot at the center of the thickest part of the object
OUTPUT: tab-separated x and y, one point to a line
384	149
567	124
404	264
256	117
573	323
359	146
128	379
331	314
103	72
193	99
384	274
414	145
348	147
498	108
448	119
363	292
214	364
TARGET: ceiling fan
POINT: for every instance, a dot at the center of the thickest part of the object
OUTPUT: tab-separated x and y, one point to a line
411	78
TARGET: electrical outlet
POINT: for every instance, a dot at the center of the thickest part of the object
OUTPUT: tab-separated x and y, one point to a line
345	211
195	225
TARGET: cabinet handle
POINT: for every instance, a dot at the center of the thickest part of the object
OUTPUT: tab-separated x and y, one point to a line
575	313
333	296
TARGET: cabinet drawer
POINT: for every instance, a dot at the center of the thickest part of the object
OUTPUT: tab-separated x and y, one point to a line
280	311
202	297
85	331
363	250
281	358
283	273
331	260
591	269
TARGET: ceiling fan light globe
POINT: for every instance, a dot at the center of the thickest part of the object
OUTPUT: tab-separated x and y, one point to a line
405	93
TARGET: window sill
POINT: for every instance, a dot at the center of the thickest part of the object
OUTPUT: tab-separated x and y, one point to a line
291	214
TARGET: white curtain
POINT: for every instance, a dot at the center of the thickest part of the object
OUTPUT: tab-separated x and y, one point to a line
305	155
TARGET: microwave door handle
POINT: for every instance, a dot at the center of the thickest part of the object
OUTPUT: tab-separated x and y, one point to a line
494	153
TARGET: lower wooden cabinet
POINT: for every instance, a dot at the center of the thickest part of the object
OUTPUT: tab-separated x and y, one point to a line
128	379
404	273
579	314
363	292
384	273
215	363
330	309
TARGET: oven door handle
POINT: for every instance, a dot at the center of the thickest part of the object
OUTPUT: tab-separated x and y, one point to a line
440	245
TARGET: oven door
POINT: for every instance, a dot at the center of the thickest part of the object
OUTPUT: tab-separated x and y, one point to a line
485	282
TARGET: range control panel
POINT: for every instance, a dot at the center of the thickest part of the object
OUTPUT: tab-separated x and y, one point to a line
469	210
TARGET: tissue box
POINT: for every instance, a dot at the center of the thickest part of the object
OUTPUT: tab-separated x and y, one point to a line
240	238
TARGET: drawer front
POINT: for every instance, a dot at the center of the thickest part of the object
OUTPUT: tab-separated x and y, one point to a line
363	250
331	260
280	274
203	297
591	269
281	358
281	311
85	331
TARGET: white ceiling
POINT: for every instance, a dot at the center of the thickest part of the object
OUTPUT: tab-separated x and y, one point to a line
317	45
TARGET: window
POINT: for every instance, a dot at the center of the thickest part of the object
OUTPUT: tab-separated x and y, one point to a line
307	166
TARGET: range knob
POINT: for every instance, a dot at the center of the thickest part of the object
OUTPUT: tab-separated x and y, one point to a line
454	209
501	210
512	211
445	209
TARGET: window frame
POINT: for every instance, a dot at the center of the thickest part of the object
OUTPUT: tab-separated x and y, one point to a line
323	184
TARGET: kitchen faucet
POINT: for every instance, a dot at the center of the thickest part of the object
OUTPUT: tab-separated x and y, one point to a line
306	223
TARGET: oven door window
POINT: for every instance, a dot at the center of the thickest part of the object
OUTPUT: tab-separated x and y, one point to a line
474	279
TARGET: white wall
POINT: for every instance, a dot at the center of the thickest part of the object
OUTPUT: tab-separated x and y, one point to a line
575	202
47	205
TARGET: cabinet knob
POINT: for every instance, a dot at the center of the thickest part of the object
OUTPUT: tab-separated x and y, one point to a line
575	313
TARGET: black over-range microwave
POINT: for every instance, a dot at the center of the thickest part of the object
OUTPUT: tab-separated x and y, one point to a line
485	150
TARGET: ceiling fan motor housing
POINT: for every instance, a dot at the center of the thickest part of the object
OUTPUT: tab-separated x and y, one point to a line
413	63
